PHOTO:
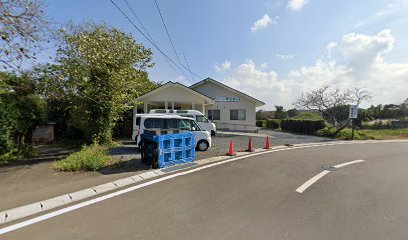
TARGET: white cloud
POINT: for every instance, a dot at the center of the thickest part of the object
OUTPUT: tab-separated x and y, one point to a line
297	5
226	65
263	85
330	48
285	57
361	63
264	65
264	22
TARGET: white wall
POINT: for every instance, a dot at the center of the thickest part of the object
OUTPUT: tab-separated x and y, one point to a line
212	90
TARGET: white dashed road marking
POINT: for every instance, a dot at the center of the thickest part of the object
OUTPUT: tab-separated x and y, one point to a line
314	179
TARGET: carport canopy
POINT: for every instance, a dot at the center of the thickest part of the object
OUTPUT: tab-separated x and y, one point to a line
173	95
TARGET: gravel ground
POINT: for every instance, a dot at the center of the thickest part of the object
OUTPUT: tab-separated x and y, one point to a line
220	144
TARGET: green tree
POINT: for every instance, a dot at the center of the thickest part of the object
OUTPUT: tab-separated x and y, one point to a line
292	113
280	112
101	70
21	110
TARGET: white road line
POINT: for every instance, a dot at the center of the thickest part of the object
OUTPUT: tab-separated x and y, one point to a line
311	181
347	163
314	179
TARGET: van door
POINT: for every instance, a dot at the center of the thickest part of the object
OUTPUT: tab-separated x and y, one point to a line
136	128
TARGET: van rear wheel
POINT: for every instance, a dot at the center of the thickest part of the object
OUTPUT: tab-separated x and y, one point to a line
202	145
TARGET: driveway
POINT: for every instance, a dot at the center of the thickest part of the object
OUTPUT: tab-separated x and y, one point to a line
220	142
362	195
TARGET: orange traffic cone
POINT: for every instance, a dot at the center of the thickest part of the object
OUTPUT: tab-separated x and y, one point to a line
231	151
250	149
267	144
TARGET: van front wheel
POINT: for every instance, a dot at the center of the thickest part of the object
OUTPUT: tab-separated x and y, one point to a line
202	145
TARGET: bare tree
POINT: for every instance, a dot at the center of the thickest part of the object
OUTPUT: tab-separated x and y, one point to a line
330	101
22	27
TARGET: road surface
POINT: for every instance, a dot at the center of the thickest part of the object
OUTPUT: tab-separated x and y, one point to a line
256	198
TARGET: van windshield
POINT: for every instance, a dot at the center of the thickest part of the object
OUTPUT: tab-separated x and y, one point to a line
190	125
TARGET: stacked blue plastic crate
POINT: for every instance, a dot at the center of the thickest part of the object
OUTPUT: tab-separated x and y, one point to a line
171	149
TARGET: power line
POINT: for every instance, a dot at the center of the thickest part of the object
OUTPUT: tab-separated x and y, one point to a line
145	30
168	34
185	59
144	35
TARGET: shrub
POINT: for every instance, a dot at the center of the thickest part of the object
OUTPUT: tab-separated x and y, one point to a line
326	132
89	158
7	157
272	123
302	125
260	123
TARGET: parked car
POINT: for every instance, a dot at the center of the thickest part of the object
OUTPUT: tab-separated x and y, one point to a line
162	121
197	115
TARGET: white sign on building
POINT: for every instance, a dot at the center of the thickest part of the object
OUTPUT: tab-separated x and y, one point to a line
227	99
353	113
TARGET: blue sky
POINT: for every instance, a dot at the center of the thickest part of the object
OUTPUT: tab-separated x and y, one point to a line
272	50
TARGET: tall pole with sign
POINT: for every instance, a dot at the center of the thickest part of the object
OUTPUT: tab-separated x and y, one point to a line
353	114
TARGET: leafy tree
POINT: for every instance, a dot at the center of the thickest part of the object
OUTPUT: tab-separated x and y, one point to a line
21	110
280	112
263	115
100	70
292	113
22	27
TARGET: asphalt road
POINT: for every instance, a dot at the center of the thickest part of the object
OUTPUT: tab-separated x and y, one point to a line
255	198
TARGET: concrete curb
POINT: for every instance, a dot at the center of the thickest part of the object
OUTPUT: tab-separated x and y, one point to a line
41	206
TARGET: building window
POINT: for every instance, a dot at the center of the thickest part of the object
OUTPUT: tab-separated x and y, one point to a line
214	115
238	114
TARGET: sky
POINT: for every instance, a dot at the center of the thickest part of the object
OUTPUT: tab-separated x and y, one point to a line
271	50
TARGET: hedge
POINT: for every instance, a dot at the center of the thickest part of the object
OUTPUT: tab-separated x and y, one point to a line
260	123
273	123
302	125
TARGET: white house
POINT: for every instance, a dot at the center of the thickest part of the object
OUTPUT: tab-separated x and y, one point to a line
228	108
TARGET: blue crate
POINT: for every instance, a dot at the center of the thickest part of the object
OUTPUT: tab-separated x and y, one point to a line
169	149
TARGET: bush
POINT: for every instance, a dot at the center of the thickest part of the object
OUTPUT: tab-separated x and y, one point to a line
7	157
260	123
89	158
326	132
302	125
272	123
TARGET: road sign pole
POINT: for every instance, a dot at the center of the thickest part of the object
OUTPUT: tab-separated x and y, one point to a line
352	129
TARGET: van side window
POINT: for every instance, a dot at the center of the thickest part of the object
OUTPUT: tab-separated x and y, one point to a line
173	123
138	121
154	123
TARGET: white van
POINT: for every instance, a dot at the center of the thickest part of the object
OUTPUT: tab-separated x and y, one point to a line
202	120
162	121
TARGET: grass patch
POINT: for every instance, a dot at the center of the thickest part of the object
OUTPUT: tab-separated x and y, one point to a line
380	134
387	133
345	134
89	158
